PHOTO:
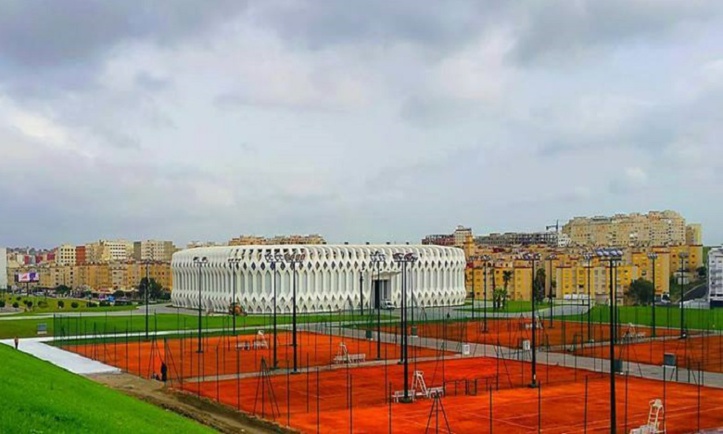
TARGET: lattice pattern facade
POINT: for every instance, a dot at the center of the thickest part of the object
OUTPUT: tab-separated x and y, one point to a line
329	278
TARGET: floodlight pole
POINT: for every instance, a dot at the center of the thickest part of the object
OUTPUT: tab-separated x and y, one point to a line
234	265
653	257
273	259
588	257
532	257
485	265
613	256
147	290
361	290
404	259
472	260
683	334
378	258
199	261
551	258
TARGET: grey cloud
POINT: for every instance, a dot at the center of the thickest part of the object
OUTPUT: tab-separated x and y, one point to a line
560	31
57	45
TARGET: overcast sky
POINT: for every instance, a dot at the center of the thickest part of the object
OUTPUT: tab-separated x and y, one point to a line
369	120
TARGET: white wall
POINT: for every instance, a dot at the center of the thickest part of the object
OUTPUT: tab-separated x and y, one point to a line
3	267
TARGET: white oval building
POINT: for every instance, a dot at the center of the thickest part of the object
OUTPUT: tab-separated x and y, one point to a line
330	277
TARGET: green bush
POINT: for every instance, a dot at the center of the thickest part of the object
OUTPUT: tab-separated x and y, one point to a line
2	304
74	305
29	304
18	298
104	303
16	305
91	304
61	304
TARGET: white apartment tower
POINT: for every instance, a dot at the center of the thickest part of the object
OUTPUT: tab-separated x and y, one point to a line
715	277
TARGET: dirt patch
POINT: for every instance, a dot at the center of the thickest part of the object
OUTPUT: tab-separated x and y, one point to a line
205	411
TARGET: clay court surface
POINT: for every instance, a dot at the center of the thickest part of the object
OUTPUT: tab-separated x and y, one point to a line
695	352
313	400
510	332
226	355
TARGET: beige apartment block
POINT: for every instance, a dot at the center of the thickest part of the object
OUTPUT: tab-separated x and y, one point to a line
65	255
656	228
153	250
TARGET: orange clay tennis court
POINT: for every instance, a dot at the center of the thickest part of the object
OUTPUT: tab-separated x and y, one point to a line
510	332
694	352
228	354
336	400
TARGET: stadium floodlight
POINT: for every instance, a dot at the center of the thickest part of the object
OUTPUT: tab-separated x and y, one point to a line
485	264
588	259
404	259
532	258
683	333
273	259
378	259
653	257
295	260
233	263
613	256
551	257
199	261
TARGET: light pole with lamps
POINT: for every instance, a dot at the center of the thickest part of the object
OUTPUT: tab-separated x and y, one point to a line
403	259
273	259
588	264
294	259
551	257
146	291
378	258
613	256
533	257
361	289
200	261
485	264
234	265
683	333
653	257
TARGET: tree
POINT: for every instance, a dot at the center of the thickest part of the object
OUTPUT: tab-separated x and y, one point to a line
155	288
61	304
62	289
702	271
641	291
538	285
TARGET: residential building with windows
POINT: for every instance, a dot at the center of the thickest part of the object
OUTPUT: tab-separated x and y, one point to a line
715	277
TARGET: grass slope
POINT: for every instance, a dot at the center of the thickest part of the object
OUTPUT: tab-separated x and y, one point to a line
703	319
38	397
43	305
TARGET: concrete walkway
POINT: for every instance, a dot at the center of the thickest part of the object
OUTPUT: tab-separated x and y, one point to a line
72	362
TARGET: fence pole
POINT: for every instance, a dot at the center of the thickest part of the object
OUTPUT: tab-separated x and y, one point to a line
317	401
585	414
539	404
491	425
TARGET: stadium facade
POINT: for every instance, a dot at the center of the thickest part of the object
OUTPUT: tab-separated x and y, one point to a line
328	277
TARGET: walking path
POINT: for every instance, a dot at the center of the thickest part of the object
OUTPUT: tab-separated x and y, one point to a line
65	359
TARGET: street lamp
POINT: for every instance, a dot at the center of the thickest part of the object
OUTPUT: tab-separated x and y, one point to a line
613	256
533	257
234	265
273	259
588	259
653	256
200	261
551	257
378	258
404	259
683	334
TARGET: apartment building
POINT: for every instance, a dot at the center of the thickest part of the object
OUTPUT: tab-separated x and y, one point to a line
715	277
65	255
656	228
3	268
153	250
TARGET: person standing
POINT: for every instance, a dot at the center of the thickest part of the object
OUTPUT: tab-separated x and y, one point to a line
17	341
164	372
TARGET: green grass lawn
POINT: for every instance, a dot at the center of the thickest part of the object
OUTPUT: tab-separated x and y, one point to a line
41	398
664	316
512	306
42	305
85	325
